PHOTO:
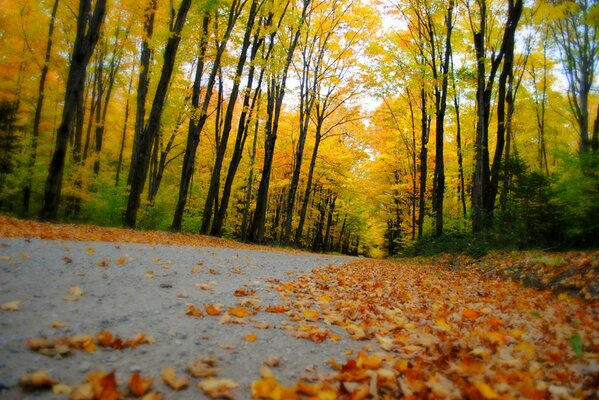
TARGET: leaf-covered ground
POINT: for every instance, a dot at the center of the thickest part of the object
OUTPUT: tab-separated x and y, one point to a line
415	328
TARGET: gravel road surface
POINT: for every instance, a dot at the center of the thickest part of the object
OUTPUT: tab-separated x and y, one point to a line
132	288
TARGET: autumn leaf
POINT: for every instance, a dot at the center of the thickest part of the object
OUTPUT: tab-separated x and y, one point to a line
239	312
252	337
193	311
218	387
174	382
485	390
61	388
57	324
121	261
275	309
91	251
140	385
75	292
212	309
241	292
105	338
37	380
203	367
11	306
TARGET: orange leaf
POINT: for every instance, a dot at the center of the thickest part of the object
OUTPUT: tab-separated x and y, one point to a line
239	312
138	385
105	338
193	311
11	306
470	314
252	337
275	309
212	309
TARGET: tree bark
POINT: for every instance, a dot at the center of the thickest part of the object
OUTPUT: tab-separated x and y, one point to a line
38	113
88	32
228	123
140	167
143	82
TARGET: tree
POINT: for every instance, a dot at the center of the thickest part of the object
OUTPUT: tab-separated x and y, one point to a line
88	33
577	38
38	111
140	165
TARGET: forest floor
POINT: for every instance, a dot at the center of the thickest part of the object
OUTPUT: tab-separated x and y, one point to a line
91	312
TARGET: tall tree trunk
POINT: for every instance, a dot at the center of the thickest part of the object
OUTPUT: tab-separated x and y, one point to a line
38	114
140	167
193	133
275	95
250	181
424	125
228	122
143	82
504	97
124	135
242	133
440	107
456	104
88	32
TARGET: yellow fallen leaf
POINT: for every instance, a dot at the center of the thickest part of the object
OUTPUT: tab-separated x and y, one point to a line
150	274
174	382
252	337
57	324
61	388
443	325
83	392
11	306
90	251
218	387
121	261
486	390
153	396
203	367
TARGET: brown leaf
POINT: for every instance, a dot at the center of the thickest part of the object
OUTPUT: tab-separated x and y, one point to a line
37	380
218	387
169	378
14	305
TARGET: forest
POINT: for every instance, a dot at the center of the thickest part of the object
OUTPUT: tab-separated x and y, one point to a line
374	127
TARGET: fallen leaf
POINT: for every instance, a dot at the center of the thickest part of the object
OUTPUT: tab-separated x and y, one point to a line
203	367
183	294
241	292
193	311
153	396
11	306
61	388
83	392
176	383
239	312
273	361
485	390
212	309
57	324
150	274
67	260
37	380
75	292
140	385
252	337
576	344
90	251
120	261
218	387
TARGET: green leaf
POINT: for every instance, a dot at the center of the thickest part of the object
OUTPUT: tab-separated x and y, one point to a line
576	344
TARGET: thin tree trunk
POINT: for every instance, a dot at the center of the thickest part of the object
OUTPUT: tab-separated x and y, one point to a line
124	136
38	114
143	82
250	181
88	32
140	167
228	123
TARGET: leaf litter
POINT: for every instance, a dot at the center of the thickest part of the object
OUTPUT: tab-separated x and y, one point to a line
443	328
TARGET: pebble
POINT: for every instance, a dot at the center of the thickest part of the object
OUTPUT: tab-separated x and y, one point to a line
84	366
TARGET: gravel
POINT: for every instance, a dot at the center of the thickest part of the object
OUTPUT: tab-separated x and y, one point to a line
131	288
